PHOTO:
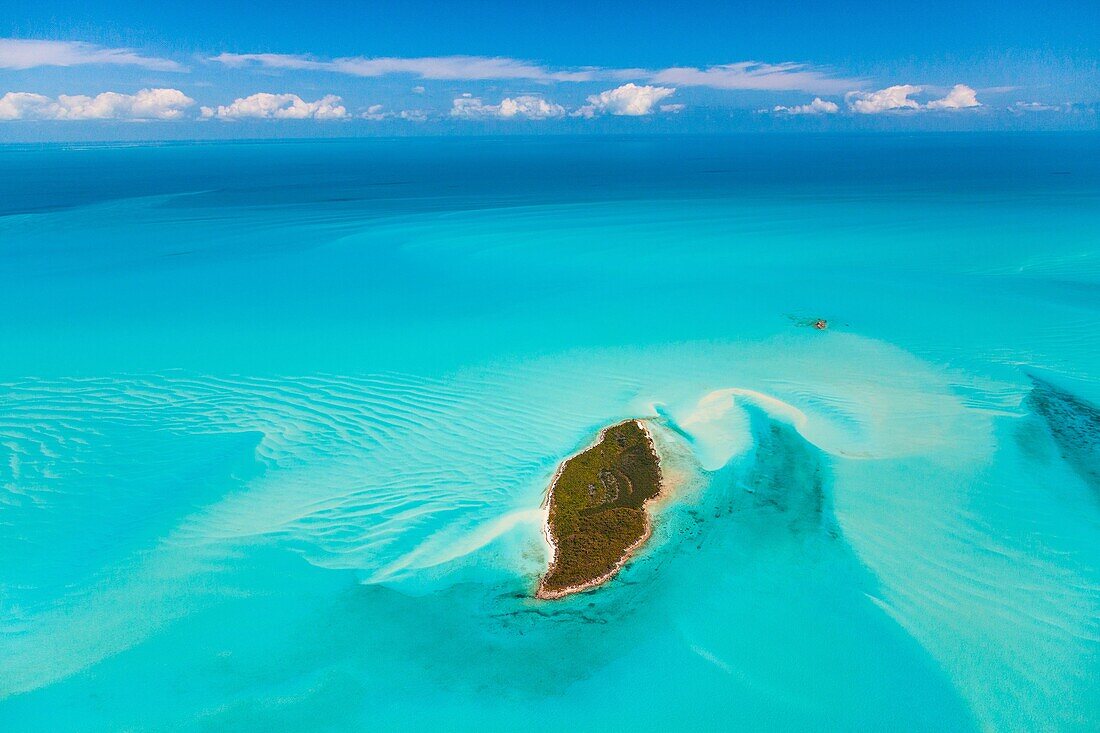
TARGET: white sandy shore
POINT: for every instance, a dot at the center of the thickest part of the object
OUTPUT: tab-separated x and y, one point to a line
549	535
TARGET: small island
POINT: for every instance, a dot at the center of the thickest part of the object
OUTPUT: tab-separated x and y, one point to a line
597	512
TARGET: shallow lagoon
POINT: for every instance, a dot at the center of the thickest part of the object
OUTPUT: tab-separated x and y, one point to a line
277	420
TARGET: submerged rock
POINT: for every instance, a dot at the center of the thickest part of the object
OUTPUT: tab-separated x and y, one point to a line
818	324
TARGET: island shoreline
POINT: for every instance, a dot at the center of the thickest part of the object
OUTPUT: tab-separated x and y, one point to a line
548	535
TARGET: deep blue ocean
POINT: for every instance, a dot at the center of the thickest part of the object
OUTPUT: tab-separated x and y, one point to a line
277	419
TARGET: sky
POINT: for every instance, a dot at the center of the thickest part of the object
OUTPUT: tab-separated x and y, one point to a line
113	69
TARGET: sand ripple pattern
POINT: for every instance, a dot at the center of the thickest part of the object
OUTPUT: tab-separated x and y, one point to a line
356	465
946	488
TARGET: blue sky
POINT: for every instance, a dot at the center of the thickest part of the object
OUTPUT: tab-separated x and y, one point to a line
233	69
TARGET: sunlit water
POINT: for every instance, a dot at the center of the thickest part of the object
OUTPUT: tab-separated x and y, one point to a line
276	421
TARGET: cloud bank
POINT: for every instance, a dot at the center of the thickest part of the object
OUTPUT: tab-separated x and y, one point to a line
266	106
642	92
21	54
148	104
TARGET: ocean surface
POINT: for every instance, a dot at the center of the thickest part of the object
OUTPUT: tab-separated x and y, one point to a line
277	419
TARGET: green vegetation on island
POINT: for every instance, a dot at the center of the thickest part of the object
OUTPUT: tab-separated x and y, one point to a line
597	508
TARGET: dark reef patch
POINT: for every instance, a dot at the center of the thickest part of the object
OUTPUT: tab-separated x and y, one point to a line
780	487
1075	426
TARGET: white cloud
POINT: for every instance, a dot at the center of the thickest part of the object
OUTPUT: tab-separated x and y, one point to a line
24	106
525	106
742	75
629	99
418	89
672	108
1021	107
374	112
884	100
960	97
755	75
378	112
897	98
148	104
817	107
279	107
16	53
428	67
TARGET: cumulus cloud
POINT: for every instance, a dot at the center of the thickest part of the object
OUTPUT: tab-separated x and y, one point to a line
629	99
527	106
22	105
375	112
960	97
756	75
897	98
425	67
884	100
817	107
279	107
378	112
17	53
148	104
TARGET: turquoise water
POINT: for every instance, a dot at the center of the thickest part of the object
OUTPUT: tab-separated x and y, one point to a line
276	420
